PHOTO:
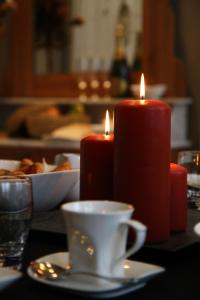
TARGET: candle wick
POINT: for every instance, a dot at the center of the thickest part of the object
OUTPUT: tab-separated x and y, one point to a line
142	98
106	133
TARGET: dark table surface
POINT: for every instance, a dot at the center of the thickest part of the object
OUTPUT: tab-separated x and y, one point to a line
179	281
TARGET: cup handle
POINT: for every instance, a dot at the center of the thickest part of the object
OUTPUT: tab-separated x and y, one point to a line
140	236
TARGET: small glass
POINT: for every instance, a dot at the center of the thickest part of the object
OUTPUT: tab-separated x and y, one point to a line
15	217
191	161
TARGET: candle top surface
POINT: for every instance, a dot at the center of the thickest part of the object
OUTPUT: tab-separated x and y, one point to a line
177	168
150	103
98	137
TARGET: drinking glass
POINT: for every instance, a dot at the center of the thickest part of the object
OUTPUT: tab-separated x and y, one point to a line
191	161
15	218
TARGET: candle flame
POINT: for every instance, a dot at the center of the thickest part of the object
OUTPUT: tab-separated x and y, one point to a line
142	87
107	124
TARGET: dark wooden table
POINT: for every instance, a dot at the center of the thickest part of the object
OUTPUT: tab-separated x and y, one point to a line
179	281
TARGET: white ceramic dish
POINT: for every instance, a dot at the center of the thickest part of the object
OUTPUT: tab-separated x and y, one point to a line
99	288
197	229
154	91
52	188
8	276
72	133
61	136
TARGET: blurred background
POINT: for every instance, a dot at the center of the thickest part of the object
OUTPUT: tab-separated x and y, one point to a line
64	62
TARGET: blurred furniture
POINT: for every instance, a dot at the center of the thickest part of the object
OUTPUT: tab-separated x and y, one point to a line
160	63
17	148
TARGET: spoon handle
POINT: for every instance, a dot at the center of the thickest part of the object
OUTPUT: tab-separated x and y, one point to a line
123	280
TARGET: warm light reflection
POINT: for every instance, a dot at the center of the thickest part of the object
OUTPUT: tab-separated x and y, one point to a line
48	264
51	271
142	89
126	266
107	84
107	124
42	266
196	160
94	84
90	250
82	85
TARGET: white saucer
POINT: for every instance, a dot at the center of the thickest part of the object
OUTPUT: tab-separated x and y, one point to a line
89	286
8	276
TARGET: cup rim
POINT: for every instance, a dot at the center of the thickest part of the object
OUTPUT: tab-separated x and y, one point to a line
127	207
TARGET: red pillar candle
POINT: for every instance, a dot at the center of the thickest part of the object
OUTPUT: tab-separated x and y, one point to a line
178	197
96	166
141	162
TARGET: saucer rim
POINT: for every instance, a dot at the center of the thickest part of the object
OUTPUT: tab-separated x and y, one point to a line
116	288
8	276
103	294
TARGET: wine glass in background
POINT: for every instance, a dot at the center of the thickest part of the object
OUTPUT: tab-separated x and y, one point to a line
105	79
82	83
107	86
82	87
94	86
191	161
94	82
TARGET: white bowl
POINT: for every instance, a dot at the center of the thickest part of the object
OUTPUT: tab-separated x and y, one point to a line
154	91
50	189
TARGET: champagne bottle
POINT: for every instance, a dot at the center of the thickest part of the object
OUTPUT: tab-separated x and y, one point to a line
119	66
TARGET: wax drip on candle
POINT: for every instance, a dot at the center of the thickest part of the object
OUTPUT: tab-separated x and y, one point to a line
107	124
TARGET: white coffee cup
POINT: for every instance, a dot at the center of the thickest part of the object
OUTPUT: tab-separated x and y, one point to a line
97	234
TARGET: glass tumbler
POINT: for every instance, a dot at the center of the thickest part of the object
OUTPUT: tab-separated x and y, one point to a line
191	161
15	218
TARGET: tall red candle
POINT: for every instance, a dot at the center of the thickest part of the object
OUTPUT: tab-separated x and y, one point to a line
141	162
96	165
178	197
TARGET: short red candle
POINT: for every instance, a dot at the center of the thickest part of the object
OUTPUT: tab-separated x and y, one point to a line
96	167
141	162
178	197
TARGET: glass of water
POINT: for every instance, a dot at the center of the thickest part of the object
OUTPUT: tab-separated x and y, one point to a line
15	218
191	161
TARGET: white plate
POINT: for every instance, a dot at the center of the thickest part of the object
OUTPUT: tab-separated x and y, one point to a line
99	288
197	229
8	276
